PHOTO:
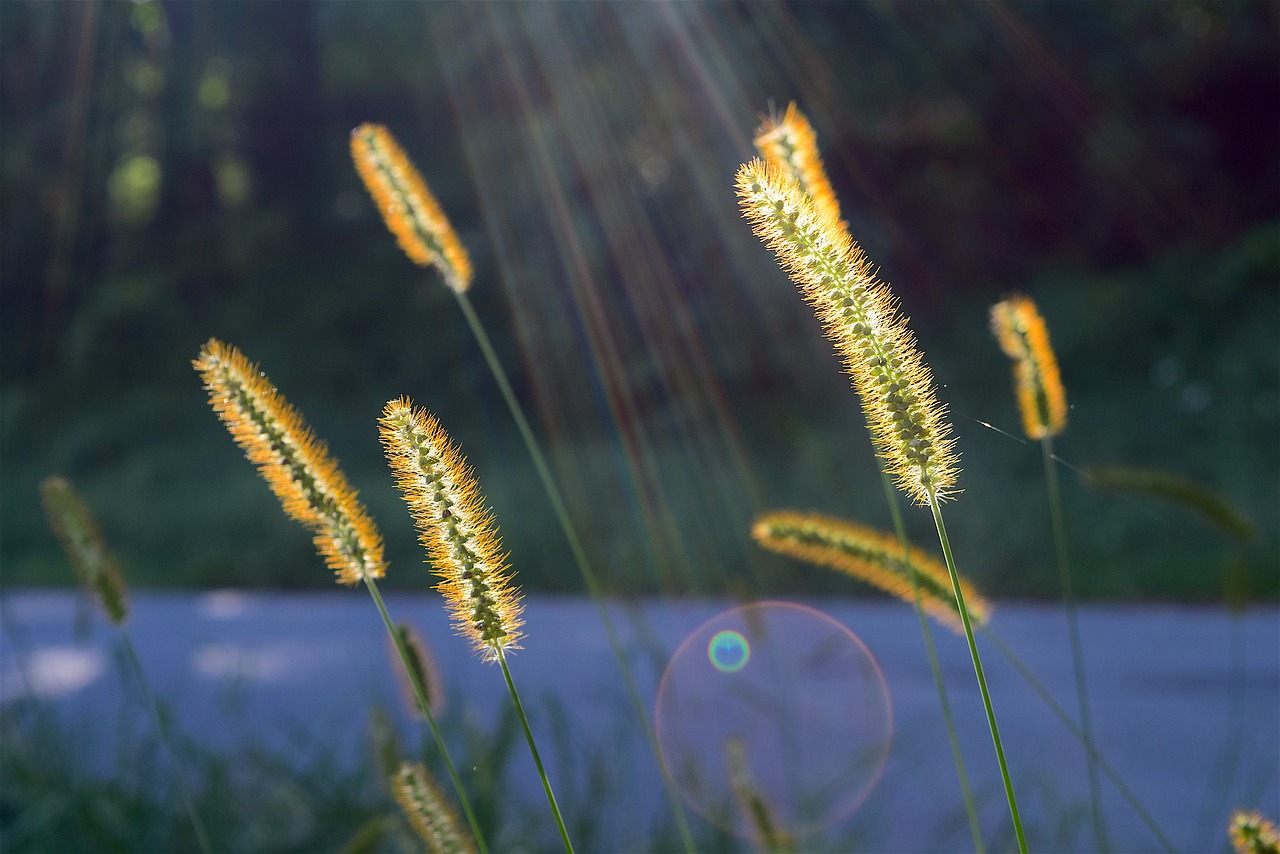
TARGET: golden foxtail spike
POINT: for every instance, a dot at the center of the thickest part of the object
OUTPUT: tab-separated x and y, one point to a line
1020	329
294	463
861	318
454	526
407	205
871	556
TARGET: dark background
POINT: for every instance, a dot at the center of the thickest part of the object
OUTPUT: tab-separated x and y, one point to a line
174	171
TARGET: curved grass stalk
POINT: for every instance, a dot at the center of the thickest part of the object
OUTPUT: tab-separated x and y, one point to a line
957	755
153	708
533	749
1073	634
977	669
1039	687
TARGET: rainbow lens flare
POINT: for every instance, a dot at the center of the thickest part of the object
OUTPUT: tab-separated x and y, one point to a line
774	721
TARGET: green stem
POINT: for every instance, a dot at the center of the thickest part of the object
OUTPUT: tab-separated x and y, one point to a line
1073	633
977	669
419	691
153	706
533	748
579	556
1070	724
970	808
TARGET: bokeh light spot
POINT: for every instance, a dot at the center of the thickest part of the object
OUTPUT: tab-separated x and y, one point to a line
785	747
728	651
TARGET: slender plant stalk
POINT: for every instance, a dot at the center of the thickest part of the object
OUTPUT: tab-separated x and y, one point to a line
153	707
1073	633
1030	678
533	748
966	792
421	694
977	669
579	554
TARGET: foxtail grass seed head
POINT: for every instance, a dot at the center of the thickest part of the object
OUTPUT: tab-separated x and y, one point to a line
294	463
76	528
425	670
791	145
873	557
454	526
860	316
1020	329
1176	489
1252	834
433	819
407	205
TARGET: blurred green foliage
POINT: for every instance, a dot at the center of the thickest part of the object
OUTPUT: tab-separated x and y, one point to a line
171	171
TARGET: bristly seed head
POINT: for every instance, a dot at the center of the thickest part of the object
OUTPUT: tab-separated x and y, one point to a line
294	463
1251	833
1021	331
407	205
76	527
425	806
792	146
860	316
873	557
454	526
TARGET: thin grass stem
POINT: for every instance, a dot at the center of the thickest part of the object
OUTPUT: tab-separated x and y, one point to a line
1073	633
421	694
533	748
977	669
153	706
579	554
1036	685
891	496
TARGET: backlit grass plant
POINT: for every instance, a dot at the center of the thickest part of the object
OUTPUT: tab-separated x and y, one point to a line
790	144
412	213
314	491
96	567
1042	402
860	316
461	539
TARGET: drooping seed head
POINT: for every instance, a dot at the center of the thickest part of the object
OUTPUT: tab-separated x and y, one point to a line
407	205
294	463
425	670
1021	331
874	557
860	316
76	528
430	814
790	144
454	526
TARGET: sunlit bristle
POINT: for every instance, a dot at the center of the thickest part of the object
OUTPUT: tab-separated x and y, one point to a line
77	529
427	810
873	557
1021	331
860	316
407	205
454	526
791	144
294	463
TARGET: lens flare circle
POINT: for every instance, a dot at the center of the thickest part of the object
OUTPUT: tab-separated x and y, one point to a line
728	651
785	747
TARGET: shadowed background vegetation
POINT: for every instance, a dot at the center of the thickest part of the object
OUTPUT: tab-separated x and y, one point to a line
173	171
